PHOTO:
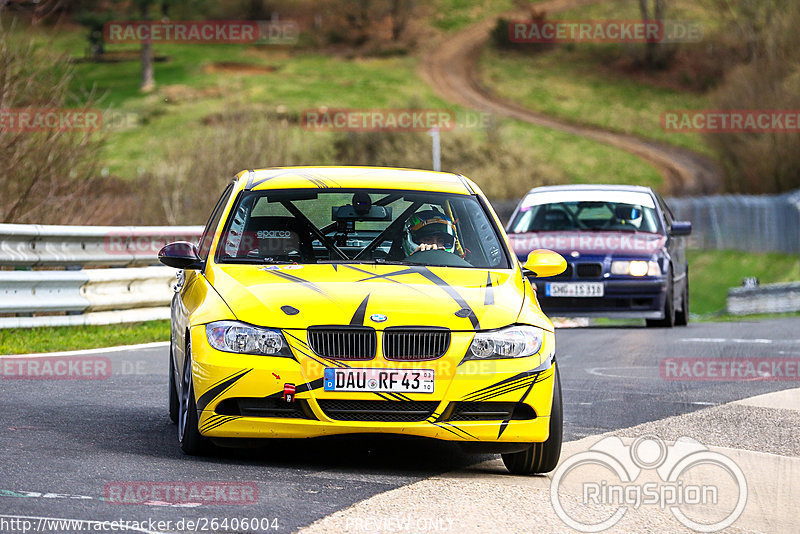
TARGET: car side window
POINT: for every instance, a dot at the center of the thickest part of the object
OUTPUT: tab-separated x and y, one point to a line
665	210
213	222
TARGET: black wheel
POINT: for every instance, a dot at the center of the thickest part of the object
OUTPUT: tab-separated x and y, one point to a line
669	307
173	391
541	457
189	437
682	316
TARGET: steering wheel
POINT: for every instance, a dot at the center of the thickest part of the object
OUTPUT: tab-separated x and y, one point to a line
437	257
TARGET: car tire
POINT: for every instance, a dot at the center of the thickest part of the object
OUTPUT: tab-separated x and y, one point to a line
541	457
173	391
189	437
682	317
669	307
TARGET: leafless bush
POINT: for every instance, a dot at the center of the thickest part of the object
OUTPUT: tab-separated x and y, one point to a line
185	185
48	175
762	162
503	171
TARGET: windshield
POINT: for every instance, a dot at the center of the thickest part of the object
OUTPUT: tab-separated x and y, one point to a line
621	214
360	226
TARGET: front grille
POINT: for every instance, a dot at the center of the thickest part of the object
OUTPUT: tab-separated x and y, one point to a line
415	344
491	411
589	270
343	343
261	407
386	411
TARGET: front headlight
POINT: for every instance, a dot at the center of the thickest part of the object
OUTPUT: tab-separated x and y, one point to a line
636	268
241	338
512	342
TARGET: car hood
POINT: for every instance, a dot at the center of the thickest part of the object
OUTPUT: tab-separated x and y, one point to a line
380	296
591	243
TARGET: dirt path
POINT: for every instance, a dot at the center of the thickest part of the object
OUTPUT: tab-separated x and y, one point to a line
451	69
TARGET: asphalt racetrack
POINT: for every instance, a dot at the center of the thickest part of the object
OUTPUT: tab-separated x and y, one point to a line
65	442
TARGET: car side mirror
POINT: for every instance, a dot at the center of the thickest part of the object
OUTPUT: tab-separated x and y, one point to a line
543	263
180	255
681	228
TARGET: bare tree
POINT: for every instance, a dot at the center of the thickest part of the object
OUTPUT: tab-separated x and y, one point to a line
45	175
652	10
400	12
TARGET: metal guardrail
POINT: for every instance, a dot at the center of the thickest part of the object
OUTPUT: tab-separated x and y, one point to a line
86	296
769	298
38	245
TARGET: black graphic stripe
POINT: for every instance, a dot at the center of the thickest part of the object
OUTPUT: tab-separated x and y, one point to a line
424	271
441	425
218	390
504	424
489	298
211	420
511	387
387	276
503	391
524	374
296	279
358	316
460	430
218	423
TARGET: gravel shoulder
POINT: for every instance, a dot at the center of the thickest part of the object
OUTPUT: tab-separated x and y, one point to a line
760	440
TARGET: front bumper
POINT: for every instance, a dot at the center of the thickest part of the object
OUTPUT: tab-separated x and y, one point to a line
222	380
628	298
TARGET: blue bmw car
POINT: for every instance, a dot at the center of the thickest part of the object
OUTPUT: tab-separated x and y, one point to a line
625	252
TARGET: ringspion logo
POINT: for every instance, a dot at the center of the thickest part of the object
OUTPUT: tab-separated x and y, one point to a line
612	478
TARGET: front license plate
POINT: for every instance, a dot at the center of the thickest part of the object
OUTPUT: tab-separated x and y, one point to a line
586	289
379	380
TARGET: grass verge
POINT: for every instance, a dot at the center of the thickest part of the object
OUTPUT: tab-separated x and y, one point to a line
713	272
199	82
33	340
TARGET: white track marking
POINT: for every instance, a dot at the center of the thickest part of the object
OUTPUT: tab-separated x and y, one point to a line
122	348
758	341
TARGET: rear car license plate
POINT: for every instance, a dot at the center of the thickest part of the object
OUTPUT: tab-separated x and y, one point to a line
379	380
586	289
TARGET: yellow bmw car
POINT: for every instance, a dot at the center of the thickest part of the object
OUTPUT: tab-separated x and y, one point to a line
362	300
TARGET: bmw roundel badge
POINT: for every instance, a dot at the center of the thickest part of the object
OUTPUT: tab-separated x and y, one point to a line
378	317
